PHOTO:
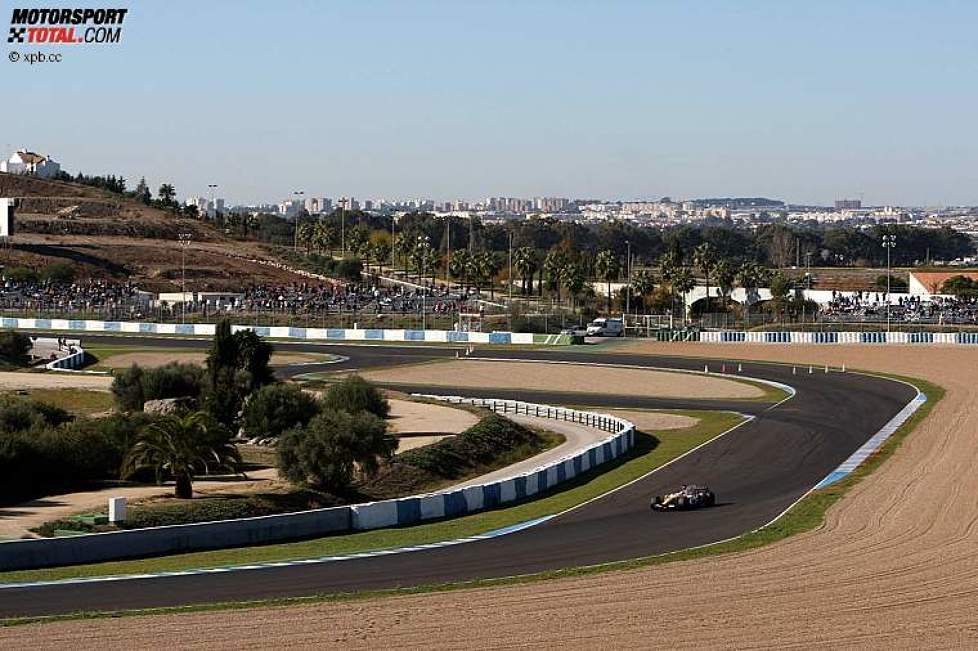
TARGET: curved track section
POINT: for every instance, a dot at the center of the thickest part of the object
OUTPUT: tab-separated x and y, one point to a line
758	470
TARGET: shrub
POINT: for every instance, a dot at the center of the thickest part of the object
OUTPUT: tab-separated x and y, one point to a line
60	272
355	394
19	414
20	275
325	453
275	408
14	347
135	385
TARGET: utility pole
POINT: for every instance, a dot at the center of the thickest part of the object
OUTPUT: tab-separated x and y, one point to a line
213	187
889	242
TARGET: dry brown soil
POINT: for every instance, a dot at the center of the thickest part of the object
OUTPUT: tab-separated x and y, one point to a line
10	381
153	359
566	377
895	566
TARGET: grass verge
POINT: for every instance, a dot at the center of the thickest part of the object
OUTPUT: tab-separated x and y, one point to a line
649	453
79	402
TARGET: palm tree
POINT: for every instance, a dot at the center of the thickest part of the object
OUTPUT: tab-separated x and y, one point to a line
554	266
750	275
324	236
643	284
606	267
682	282
489	266
182	446
431	262
166	194
304	234
574	280
525	260
724	274
705	257
458	266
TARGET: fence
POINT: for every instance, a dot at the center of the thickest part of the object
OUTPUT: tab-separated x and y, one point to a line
97	547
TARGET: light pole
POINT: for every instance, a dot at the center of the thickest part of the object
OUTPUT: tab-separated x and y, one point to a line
424	242
212	187
509	281
295	229
889	243
628	275
185	239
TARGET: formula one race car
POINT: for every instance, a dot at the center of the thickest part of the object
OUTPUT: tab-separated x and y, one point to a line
686	498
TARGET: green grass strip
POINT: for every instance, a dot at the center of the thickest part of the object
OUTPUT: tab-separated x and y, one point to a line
649	453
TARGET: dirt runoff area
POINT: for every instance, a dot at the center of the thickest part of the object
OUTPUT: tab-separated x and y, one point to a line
895	566
13	381
149	359
418	423
578	378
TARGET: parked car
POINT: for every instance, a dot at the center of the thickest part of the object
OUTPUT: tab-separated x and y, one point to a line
606	328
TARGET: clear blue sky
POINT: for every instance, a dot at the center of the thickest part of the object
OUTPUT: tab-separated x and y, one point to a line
807	101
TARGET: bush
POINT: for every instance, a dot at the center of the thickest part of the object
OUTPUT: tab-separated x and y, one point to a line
60	272
275	408
20	414
20	275
135	385
355	394
14	347
325	453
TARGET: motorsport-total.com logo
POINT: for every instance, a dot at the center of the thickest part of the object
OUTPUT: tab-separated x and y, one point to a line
66	26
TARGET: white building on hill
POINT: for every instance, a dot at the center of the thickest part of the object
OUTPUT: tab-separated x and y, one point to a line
27	162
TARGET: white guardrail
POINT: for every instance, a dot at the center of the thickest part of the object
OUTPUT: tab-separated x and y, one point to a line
449	503
285	332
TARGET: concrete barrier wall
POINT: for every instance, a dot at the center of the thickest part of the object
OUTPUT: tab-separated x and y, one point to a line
69	362
872	337
287	332
92	548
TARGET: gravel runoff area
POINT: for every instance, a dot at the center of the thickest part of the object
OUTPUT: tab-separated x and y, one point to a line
149	359
12	381
480	374
895	566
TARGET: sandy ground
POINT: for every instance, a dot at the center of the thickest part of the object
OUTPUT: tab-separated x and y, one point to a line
895	566
152	359
418	424
566	377
649	421
12	381
15	521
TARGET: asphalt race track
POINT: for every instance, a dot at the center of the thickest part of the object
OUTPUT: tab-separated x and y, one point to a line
757	471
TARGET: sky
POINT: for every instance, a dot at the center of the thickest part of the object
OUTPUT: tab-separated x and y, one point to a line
799	100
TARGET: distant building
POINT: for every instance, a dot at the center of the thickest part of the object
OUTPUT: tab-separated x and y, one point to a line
848	204
27	162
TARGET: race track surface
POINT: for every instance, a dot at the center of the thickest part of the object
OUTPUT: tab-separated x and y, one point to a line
757	470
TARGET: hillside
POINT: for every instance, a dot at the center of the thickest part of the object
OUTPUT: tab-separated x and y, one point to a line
104	235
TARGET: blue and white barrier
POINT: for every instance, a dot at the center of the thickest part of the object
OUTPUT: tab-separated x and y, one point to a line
281	332
97	547
69	362
876	337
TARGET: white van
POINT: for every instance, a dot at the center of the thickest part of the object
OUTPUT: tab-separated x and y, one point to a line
606	328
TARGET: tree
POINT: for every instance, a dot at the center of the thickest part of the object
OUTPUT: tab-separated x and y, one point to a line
355	394
554	266
323	237
574	280
166	194
606	266
724	274
14	347
526	262
326	452
780	286
458	266
682	283
750	275
643	284
237	365
488	266
705	257
305	235
182	446
275	408
142	193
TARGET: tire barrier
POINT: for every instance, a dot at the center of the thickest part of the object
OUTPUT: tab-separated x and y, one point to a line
288	332
135	543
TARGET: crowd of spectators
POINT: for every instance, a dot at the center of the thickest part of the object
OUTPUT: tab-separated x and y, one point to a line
83	296
872	306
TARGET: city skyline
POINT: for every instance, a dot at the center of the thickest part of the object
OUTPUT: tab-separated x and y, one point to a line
620	100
